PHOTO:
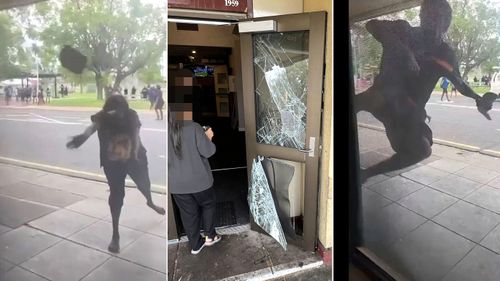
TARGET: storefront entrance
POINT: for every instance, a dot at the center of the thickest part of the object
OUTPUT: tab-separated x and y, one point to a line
282	72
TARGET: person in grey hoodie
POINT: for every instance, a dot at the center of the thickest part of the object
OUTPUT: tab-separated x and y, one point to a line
190	179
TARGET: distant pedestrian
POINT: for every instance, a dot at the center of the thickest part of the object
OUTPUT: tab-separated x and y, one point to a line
47	93
144	93
444	87
34	94
125	92
40	96
453	89
133	91
61	90
151	96
8	94
159	103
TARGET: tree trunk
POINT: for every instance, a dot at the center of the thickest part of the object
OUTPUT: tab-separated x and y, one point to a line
118	80
81	85
467	69
98	82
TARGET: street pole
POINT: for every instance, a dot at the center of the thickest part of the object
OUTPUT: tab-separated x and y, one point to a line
37	78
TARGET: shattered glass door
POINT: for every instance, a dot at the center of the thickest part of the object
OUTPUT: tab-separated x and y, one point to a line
281	63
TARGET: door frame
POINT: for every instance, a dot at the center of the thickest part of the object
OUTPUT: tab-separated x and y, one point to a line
315	23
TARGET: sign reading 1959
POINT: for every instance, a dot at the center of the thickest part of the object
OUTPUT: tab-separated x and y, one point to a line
231	3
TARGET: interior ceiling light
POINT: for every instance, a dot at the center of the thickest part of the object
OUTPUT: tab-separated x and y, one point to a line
197	21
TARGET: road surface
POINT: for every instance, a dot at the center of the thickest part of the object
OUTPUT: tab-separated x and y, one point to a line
457	121
40	135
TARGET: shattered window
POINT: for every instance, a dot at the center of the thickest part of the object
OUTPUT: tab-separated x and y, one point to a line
281	62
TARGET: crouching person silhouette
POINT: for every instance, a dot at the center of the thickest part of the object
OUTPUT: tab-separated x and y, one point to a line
121	154
413	60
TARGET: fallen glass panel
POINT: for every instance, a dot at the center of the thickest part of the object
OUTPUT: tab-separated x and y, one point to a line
262	205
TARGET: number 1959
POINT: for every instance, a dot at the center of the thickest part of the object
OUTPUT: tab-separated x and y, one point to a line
232	3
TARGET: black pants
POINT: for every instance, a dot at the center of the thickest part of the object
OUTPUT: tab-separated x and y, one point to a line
116	172
193	206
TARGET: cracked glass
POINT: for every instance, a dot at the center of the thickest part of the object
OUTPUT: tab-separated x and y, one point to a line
261	203
281	62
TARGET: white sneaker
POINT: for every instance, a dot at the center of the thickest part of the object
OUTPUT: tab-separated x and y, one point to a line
195	252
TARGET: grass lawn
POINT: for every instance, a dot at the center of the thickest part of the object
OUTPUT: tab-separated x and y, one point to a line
90	100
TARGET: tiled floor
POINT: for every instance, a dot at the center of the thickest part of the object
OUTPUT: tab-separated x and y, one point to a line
438	220
57	228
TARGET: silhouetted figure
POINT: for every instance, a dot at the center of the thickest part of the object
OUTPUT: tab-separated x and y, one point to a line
151	96
40	96
453	89
47	93
144	92
8	94
413	60
133	91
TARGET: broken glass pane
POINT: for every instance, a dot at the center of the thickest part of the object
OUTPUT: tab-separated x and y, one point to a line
281	62
262	205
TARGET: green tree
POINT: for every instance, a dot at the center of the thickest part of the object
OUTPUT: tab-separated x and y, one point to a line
10	51
151	74
474	33
118	36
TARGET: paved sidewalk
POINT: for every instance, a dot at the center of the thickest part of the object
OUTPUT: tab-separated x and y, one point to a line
54	227
246	256
437	220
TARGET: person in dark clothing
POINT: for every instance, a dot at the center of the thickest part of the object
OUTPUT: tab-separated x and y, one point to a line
159	103
8	94
134	90
144	93
121	154
453	89
413	60
152	95
190	179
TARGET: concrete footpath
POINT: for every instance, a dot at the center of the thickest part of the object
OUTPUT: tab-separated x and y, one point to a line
55	227
246	256
438	220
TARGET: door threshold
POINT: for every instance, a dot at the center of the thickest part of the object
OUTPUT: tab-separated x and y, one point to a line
223	230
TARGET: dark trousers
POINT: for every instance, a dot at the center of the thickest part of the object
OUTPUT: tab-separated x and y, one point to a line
194	207
116	172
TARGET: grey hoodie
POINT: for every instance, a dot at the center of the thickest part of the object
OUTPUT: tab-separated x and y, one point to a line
192	172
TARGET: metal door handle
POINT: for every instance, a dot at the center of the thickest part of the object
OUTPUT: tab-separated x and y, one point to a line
312	143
